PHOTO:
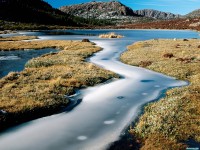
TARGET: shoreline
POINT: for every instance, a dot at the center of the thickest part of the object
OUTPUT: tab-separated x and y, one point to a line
151	131
60	29
63	80
122	27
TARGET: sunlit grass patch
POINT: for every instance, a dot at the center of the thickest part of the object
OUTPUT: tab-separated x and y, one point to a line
110	35
18	38
167	123
46	80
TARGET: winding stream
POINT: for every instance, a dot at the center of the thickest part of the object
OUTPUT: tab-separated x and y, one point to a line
105	109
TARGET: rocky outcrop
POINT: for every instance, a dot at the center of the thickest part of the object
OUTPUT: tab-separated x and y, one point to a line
114	10
193	14
151	13
99	10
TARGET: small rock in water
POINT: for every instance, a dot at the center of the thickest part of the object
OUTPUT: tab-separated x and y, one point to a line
2	112
147	80
85	40
120	97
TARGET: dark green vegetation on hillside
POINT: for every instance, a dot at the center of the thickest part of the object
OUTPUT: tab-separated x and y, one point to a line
37	14
32	11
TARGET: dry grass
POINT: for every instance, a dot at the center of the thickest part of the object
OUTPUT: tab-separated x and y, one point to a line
21	45
110	35
47	79
18	38
175	118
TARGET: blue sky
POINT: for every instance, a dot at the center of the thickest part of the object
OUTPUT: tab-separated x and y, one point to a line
174	6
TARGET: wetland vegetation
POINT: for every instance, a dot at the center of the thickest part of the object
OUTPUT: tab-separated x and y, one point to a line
174	120
41	87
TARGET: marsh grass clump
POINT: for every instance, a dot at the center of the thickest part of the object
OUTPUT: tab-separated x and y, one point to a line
41	87
145	63
169	122
168	55
110	35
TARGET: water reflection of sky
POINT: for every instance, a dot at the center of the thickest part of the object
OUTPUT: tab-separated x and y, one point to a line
15	60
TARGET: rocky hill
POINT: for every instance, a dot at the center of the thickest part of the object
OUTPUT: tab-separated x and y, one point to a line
33	11
193	14
99	10
115	10
151	13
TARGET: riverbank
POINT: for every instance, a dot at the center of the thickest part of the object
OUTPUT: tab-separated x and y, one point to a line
173	121
174	24
40	89
18	38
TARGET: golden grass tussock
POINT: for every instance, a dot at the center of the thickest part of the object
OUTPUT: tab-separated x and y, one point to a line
175	118
47	79
18	38
110	35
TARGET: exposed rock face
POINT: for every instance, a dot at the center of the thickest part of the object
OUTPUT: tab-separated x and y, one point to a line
193	14
99	10
114	10
156	14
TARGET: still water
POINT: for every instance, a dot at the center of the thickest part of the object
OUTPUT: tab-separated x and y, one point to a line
16	60
106	109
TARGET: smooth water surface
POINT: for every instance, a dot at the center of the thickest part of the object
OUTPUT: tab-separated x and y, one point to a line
106	109
16	60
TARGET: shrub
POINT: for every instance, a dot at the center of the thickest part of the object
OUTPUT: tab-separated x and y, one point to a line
168	55
145	63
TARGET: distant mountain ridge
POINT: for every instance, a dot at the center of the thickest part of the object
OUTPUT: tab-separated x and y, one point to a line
151	13
193	14
113	10
99	10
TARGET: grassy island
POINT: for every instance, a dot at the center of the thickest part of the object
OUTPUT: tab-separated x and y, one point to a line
41	87
110	35
174	120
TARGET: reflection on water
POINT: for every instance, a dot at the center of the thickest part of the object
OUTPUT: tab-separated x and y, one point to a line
15	60
105	110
